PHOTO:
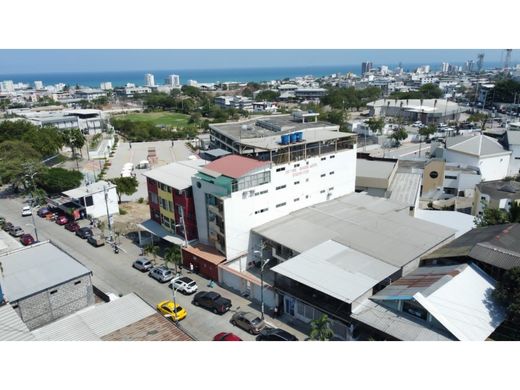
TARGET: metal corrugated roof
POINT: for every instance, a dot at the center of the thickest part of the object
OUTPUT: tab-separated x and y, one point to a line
12	328
176	175
336	270
235	166
32	269
405	188
495	256
97	321
478	145
358	221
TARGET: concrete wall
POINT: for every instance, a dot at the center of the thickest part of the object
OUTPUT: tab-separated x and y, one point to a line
99	209
55	302
491	168
514	163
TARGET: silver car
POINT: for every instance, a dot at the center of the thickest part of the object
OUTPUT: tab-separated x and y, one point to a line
142	264
16	231
161	274
248	321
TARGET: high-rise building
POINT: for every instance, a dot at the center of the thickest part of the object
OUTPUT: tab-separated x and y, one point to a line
149	80
173	80
384	69
366	67
38	85
106	85
445	67
7	86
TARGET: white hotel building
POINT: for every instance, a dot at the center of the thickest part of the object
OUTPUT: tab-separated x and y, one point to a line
279	164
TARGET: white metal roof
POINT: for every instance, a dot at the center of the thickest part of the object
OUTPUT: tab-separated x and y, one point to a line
375	226
176	175
157	230
461	222
336	270
32	269
94	322
374	169
12	328
93	188
476	145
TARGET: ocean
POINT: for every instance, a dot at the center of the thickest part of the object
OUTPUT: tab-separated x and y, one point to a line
93	79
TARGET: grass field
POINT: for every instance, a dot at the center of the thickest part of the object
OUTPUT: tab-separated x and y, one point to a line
159	118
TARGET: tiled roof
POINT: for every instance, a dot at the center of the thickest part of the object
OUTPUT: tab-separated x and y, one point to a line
235	166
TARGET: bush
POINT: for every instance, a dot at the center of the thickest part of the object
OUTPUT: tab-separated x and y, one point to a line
140	200
122	211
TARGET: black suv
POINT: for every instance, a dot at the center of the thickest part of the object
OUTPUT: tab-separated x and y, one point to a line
212	301
84	232
274	334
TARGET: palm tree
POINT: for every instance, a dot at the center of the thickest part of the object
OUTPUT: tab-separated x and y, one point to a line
172	255
153	250
320	329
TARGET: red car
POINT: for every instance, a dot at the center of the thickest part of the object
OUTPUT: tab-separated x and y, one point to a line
72	227
62	220
226	336
27	239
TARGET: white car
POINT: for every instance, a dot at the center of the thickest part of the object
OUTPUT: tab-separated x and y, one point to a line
26	211
185	285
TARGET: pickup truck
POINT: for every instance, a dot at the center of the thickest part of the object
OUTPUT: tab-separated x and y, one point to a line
212	301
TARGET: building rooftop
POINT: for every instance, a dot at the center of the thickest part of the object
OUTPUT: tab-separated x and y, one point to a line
29	270
405	188
500	189
128	318
439	106
461	222
358	221
235	166
90	189
176	175
457	296
336	270
513	136
475	145
12	328
206	252
374	169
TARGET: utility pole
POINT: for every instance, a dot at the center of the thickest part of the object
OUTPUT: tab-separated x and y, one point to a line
262	264
108	214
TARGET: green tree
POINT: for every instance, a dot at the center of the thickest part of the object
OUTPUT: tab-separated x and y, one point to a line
338	117
57	180
491	216
16	158
320	329
173	255
479	117
376	124
430	91
125	185
507	292
74	139
267	95
152	250
398	135
427	131
514	212
46	140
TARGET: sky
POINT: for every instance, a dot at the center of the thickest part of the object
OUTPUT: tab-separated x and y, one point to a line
93	60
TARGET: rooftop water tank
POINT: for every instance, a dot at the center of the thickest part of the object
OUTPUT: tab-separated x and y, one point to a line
299	136
285	139
293	138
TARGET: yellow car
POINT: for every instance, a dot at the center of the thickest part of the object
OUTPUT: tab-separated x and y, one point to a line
167	309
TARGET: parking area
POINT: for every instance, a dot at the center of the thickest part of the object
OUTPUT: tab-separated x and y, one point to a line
165	151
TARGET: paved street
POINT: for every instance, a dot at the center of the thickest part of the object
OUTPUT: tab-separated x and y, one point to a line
113	273
405	150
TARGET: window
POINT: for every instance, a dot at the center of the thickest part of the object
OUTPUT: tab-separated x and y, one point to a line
415	310
296	165
331	188
331	173
53	292
323	158
281	204
77	282
333	156
322	191
322	175
89	201
306	196
296	199
15	306
450	177
280	169
261	192
153	197
281	187
482	198
307	179
296	182
261	211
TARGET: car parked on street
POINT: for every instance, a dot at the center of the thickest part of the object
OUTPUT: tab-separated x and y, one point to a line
96	241
275	334
226	336
2	222
16	231
26	239
26	211
84	232
161	274
248	321
174	311
43	211
212	301
143	264
7	226
185	285
62	220
72	227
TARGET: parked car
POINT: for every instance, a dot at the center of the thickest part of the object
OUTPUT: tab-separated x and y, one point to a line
161	274
174	311
184	285
275	334
26	211
212	301
142	264
2	222
26	239
72	227
96	240
62	220
248	321
43	211
16	231
84	232
226	336
8	226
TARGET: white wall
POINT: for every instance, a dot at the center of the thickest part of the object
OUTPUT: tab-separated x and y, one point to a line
514	163
240	207
99	209
491	168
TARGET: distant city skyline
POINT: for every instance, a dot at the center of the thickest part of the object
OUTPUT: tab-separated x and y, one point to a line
112	60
